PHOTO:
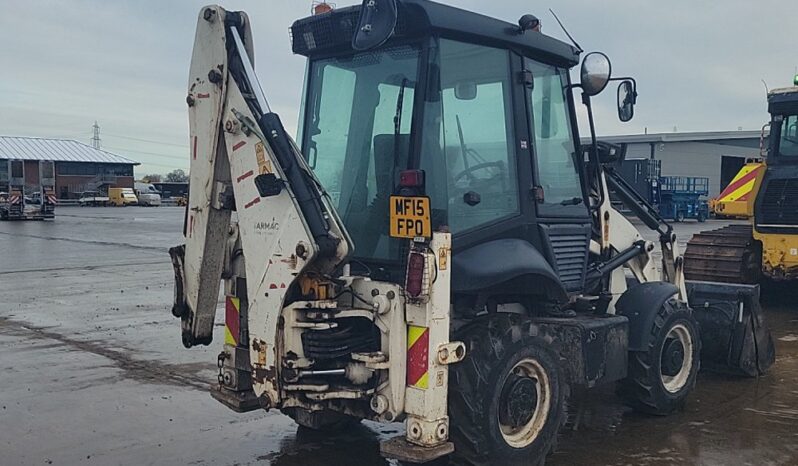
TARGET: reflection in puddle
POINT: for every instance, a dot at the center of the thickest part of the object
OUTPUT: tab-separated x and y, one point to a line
727	420
356	446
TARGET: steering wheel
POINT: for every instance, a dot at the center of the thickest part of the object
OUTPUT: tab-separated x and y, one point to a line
480	166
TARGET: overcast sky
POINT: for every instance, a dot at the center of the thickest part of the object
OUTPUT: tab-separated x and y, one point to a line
67	63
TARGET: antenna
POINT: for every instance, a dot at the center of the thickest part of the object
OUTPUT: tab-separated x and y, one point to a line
578	48
95	139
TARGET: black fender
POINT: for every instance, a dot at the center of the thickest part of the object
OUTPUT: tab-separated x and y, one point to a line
504	260
640	305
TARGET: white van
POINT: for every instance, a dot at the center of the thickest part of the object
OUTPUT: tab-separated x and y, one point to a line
148	195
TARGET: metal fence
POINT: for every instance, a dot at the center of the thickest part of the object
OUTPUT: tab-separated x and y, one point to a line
75	202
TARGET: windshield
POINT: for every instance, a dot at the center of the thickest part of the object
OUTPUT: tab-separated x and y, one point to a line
788	140
356	137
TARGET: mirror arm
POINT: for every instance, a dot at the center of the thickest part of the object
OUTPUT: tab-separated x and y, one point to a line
594	158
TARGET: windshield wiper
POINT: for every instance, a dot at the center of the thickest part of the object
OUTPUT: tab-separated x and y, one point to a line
463	147
572	201
397	121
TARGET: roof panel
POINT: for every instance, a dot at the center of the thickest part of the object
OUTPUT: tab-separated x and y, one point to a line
58	150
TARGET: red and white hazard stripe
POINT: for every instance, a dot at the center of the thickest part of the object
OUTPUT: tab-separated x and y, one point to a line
13	199
52	199
418	357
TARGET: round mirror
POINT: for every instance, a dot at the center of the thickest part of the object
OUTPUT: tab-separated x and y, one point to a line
595	74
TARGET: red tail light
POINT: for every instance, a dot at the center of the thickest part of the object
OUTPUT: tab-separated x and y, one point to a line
411	179
415	274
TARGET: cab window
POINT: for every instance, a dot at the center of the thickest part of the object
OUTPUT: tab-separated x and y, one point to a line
788	143
468	151
553	140
357	138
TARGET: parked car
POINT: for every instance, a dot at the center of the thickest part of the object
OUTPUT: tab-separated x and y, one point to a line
148	194
121	197
93	198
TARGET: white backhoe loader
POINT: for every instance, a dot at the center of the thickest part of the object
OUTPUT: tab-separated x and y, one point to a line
437	249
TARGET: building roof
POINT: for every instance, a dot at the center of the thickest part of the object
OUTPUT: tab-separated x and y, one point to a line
679	137
57	150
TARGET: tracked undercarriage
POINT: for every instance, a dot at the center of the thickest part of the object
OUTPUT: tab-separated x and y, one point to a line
729	254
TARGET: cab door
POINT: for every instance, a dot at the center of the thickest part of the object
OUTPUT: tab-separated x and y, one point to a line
563	218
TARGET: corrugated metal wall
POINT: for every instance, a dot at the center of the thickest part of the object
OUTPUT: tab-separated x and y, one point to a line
693	158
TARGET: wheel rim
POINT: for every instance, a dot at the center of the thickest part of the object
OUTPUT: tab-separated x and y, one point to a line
524	403
676	358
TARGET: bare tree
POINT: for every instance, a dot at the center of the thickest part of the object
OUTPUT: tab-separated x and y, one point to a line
177	176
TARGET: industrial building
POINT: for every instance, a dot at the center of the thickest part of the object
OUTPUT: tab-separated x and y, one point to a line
78	167
172	188
717	155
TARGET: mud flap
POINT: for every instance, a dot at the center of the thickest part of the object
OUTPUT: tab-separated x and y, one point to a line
734	336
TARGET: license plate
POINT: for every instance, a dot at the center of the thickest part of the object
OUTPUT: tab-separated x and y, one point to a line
410	217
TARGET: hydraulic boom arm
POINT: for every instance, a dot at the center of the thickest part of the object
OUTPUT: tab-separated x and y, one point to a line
242	160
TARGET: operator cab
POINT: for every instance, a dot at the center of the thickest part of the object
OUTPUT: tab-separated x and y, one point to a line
783	107
473	113
777	208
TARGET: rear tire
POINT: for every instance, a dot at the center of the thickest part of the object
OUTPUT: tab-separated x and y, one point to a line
660	378
325	420
507	399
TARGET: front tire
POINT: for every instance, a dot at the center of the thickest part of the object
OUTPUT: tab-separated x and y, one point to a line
660	378
507	399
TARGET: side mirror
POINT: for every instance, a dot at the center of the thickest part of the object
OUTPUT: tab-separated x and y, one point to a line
595	74
763	148
465	91
627	97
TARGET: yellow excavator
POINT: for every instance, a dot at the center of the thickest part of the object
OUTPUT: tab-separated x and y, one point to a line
766	192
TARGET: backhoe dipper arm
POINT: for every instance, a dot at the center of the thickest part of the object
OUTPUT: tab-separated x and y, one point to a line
242	159
672	261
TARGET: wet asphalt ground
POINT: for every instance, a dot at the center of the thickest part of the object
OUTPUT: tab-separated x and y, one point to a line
93	371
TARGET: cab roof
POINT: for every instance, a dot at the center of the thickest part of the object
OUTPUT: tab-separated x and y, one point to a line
783	101
331	33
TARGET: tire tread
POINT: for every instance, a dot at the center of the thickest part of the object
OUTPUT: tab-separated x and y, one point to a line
641	388
488	341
